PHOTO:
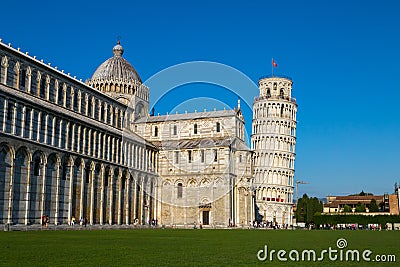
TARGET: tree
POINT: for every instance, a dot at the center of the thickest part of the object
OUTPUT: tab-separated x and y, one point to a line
346	208
362	193
307	208
360	207
373	207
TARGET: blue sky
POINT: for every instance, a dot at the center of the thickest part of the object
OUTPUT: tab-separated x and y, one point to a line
342	55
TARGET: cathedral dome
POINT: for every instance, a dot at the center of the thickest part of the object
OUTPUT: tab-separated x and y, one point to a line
116	68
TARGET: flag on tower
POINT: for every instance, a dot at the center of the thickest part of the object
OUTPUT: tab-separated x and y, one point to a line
274	63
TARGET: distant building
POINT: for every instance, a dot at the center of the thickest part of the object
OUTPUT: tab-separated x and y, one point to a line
388	204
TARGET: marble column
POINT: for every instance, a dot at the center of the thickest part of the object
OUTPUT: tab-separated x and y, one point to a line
81	200
119	206
5	111
11	191
28	190
58	163
92	195
102	181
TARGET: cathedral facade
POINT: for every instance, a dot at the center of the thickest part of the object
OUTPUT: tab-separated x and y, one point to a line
90	149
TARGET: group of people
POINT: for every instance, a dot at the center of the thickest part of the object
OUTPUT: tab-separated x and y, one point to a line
267	224
195	225
82	221
153	222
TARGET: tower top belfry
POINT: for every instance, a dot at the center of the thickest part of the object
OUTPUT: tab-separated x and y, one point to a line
276	87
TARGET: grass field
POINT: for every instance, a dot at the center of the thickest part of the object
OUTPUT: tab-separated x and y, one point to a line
173	247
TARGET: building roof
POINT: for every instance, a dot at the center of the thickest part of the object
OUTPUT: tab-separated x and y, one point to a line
359	198
353	200
190	116
116	68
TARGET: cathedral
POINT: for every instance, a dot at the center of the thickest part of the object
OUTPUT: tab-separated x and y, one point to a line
90	149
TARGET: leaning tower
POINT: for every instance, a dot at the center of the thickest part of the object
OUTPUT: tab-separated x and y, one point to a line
274	141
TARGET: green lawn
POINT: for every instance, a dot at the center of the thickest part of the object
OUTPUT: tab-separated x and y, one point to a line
173	247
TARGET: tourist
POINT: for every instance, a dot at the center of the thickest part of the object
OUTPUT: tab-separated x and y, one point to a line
43	220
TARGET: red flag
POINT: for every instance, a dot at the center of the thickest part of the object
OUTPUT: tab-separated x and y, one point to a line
274	63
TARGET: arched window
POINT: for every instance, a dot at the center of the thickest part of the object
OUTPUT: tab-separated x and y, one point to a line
155	131
281	94
268	92
195	128
180	190
175	130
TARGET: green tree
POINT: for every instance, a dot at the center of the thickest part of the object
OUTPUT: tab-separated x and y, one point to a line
346	208
307	208
360	207
373	207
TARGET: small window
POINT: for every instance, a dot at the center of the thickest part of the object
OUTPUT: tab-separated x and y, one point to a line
240	158
175	130
123	182
176	156
218	127
195	128
155	131
10	111
64	172
215	155
87	176
22	78
36	167
202	156
180	191
190	156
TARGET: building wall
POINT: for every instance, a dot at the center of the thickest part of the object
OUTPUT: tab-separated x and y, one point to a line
62	151
204	157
